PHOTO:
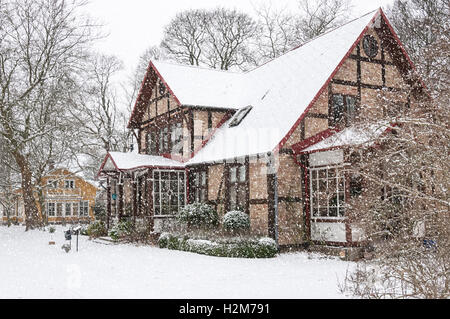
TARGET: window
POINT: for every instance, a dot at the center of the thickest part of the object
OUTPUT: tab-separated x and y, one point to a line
343	109
52	183
240	115
169	193
75	209
327	186
355	187
69	184
67	209
370	46
51	209
151	143
199	186
164	140
177	138
84	208
59	209
237	192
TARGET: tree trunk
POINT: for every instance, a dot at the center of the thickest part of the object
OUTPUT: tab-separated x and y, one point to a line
32	216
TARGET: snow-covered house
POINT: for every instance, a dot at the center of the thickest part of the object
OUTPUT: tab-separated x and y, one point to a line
270	142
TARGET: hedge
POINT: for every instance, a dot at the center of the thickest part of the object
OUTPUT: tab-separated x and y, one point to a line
239	248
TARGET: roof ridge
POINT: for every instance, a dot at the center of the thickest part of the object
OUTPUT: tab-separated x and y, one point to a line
313	39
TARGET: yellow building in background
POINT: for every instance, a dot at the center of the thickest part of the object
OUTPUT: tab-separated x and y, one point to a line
66	198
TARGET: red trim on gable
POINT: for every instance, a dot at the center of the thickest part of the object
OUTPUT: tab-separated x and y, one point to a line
225	118
297	148
150	66
108	155
297	123
165	83
372	21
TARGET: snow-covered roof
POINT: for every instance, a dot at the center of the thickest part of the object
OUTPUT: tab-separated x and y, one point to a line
129	161
279	91
350	136
196	86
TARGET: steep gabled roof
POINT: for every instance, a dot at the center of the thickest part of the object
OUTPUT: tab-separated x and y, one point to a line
280	91
196	86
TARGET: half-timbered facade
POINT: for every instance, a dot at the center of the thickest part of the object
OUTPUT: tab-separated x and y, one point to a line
272	142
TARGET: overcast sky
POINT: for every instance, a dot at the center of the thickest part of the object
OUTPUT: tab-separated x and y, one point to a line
134	25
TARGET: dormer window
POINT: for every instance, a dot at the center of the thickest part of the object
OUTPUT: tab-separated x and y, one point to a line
240	115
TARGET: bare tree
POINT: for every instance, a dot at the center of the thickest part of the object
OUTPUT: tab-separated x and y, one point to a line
422	26
42	46
216	38
277	32
134	82
100	121
317	17
185	37
229	33
404	203
281	30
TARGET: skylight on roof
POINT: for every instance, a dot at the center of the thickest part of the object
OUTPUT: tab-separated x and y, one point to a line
240	115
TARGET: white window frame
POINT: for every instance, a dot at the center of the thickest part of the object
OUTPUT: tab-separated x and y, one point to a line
158	213
71	184
70	209
76	213
84	204
339	173
48	209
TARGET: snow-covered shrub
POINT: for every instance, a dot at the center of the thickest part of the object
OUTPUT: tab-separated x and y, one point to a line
163	240
198	214
170	241
205	247
123	228
237	248
96	229
236	221
267	247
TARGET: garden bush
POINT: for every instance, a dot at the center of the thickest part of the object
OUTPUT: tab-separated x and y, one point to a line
236	221
122	229
96	229
198	214
238	247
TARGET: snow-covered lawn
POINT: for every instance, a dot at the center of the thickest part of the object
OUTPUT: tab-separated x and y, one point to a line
31	268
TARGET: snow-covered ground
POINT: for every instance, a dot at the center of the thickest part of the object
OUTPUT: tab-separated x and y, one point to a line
31	268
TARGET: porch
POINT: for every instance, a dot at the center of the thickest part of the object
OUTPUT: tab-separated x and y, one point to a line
152	188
